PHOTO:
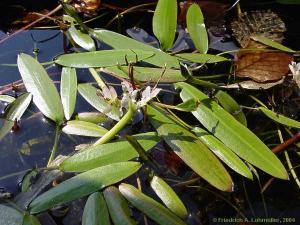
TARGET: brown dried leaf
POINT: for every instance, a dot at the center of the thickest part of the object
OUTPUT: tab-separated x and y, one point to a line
263	66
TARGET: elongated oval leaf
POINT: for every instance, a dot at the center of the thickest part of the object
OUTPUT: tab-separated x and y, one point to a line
232	133
7	98
190	149
148	74
95	211
6	126
68	90
37	82
89	93
102	58
168	196
196	28
271	43
164	22
101	155
83	184
280	118
201	58
119	41
83	128
30	220
149	206
82	39
231	106
10	216
16	109
223	152
118	207
92	117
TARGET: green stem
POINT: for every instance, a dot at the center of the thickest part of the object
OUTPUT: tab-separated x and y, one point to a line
54	148
119	126
97	78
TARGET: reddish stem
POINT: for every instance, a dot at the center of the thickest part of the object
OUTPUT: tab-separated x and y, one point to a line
281	147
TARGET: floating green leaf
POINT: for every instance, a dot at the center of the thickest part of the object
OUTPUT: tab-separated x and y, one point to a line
190	149
149	206
231	106
89	93
102	58
201	58
164	22
118	207
82	39
168	196
16	109
10	216
271	43
6	126
68	90
196	28
95	211
92	117
83	184
7	98
118	151
37	82
223	152
232	133
30	220
83	128
280	118
119	41
148	74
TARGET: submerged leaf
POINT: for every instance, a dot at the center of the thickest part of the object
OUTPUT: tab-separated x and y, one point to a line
37	82
95	211
149	206
101	155
280	118
102	58
119	41
164	22
232	133
68	90
118	207
252	85
190	149
16	109
168	196
83	184
263	66
83	128
196	28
